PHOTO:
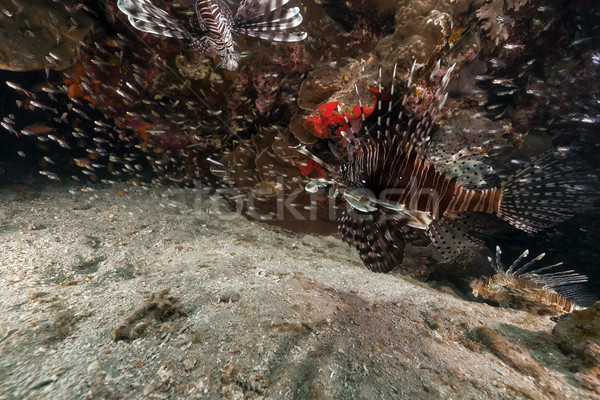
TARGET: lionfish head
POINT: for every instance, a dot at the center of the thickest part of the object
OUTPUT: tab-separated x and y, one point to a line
230	60
340	184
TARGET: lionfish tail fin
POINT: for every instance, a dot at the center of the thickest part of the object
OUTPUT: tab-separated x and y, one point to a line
146	17
269	20
578	294
549	190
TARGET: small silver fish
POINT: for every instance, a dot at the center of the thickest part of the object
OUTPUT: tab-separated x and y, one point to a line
50	175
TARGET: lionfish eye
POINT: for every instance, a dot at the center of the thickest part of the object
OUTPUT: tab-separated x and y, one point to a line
343	170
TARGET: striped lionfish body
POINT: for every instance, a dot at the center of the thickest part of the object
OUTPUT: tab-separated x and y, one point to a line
402	186
265	19
542	294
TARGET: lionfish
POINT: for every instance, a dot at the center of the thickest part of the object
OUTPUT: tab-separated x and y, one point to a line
265	19
542	294
403	187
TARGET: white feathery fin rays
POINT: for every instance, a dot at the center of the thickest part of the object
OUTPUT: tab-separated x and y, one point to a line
267	19
264	19
550	189
146	17
549	281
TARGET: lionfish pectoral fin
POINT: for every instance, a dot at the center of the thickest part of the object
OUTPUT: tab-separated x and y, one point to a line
379	242
451	238
359	201
413	236
146	17
417	219
547	191
538	301
268	19
413	218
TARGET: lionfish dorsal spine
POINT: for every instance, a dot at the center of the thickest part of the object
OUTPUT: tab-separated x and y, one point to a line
528	264
537	271
511	269
354	135
499	267
363	117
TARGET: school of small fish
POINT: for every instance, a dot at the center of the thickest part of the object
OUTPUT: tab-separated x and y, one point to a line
398	182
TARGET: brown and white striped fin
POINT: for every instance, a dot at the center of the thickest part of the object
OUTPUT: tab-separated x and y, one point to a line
380	239
269	20
549	190
539	301
390	119
556	279
146	17
251	9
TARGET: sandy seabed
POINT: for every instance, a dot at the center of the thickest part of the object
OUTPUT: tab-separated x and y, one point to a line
106	294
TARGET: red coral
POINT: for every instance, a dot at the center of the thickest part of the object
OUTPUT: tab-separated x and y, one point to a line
308	166
329	120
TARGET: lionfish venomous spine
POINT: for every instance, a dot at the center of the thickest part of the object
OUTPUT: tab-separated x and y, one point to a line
542	294
265	19
403	186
